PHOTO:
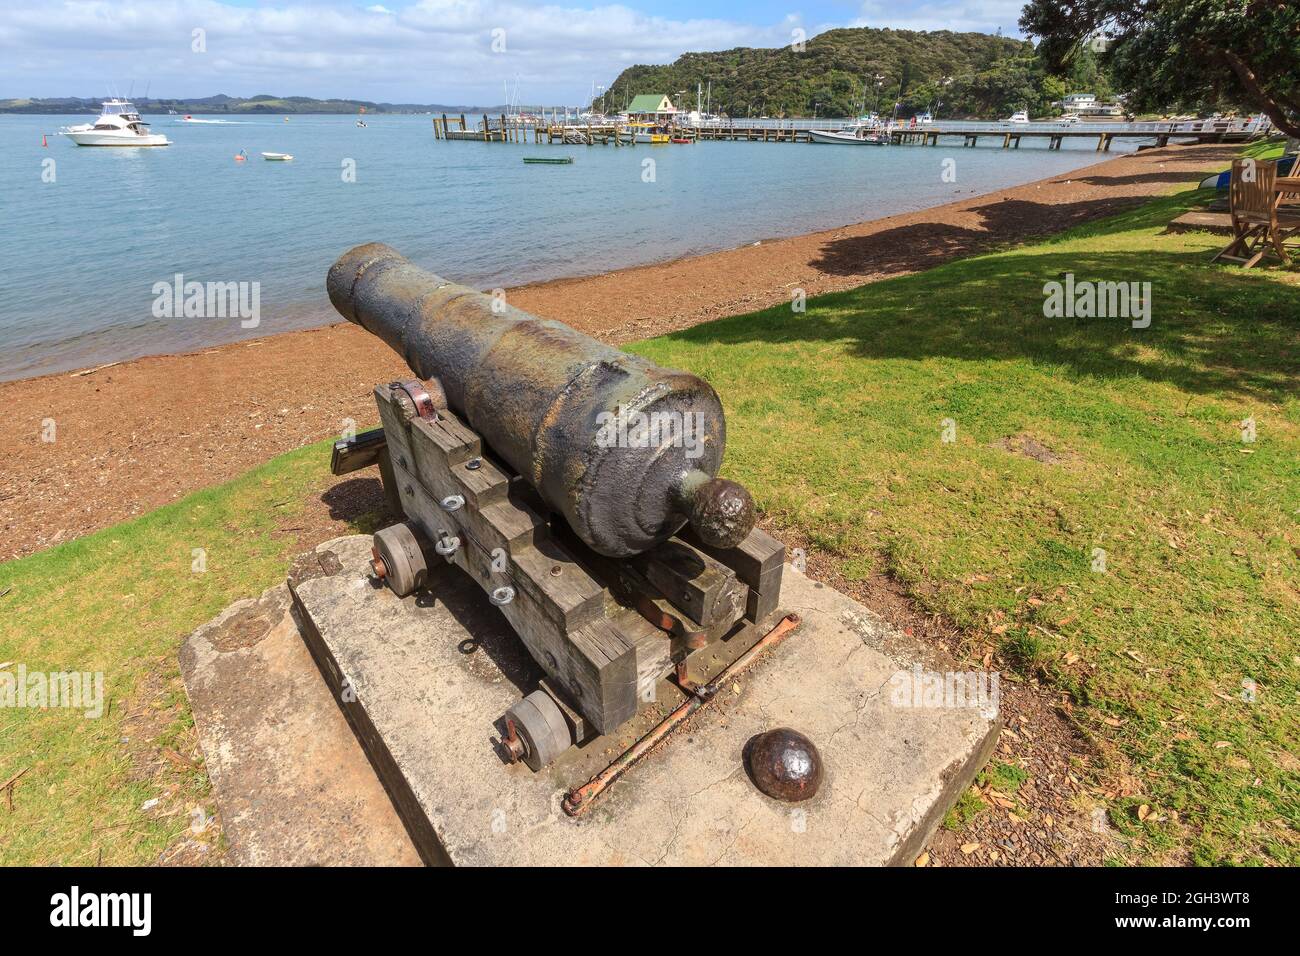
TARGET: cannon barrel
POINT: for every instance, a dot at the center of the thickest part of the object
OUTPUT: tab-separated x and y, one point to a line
627	452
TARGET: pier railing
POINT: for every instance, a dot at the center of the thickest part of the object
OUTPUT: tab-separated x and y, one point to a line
505	128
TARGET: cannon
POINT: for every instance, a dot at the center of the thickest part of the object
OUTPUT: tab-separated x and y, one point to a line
576	484
626	451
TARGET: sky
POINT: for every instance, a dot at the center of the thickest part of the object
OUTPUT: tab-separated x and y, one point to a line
411	51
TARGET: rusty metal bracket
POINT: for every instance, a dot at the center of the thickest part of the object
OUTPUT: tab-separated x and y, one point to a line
579	799
678	625
425	399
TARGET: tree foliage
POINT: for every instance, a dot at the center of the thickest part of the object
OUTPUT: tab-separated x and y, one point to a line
1183	54
843	72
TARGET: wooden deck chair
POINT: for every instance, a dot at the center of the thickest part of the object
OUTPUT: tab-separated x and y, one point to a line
1258	228
1288	209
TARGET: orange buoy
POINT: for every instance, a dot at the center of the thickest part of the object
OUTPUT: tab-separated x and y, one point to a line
43	143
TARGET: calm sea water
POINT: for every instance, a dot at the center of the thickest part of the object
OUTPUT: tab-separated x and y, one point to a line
81	254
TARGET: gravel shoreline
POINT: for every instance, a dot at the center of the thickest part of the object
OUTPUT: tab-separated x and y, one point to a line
133	436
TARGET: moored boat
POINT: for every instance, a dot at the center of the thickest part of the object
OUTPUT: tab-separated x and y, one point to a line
277	157
643	132
118	124
859	135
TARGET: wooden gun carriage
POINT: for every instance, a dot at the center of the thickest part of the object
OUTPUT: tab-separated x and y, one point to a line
606	604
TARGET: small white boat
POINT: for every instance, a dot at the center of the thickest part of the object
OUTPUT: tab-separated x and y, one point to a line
118	124
277	157
853	136
1019	116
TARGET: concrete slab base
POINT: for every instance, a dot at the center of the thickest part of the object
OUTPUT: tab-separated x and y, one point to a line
423	679
292	784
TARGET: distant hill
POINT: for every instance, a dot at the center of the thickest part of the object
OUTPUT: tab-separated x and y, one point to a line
235	105
972	73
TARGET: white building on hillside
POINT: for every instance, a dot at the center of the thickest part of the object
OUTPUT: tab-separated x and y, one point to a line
1087	106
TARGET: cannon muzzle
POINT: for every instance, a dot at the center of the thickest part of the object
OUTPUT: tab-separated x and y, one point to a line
627	452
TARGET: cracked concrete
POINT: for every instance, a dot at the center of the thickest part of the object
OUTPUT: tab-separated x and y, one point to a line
292	784
424	706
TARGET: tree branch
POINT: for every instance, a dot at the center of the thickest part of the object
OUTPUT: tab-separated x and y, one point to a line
1273	108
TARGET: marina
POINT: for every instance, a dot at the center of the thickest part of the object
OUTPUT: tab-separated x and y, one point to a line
703	201
1008	134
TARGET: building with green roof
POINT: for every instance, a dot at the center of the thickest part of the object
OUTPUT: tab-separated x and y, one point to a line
651	106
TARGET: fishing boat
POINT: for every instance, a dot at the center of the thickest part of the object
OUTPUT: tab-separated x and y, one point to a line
118	124
1019	116
643	132
549	160
277	157
858	135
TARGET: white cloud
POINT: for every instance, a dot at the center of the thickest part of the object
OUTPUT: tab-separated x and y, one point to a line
422	51
984	16
428	51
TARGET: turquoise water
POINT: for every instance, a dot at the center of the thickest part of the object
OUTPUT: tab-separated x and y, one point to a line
82	253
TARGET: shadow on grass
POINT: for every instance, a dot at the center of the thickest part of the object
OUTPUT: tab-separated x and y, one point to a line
924	244
1213	328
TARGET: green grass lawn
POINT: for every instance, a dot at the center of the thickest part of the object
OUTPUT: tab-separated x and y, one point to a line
120	601
835	422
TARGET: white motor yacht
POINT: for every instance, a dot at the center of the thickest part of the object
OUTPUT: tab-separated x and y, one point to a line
118	124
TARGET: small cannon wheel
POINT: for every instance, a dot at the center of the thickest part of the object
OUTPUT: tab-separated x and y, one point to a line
398	550
542	727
